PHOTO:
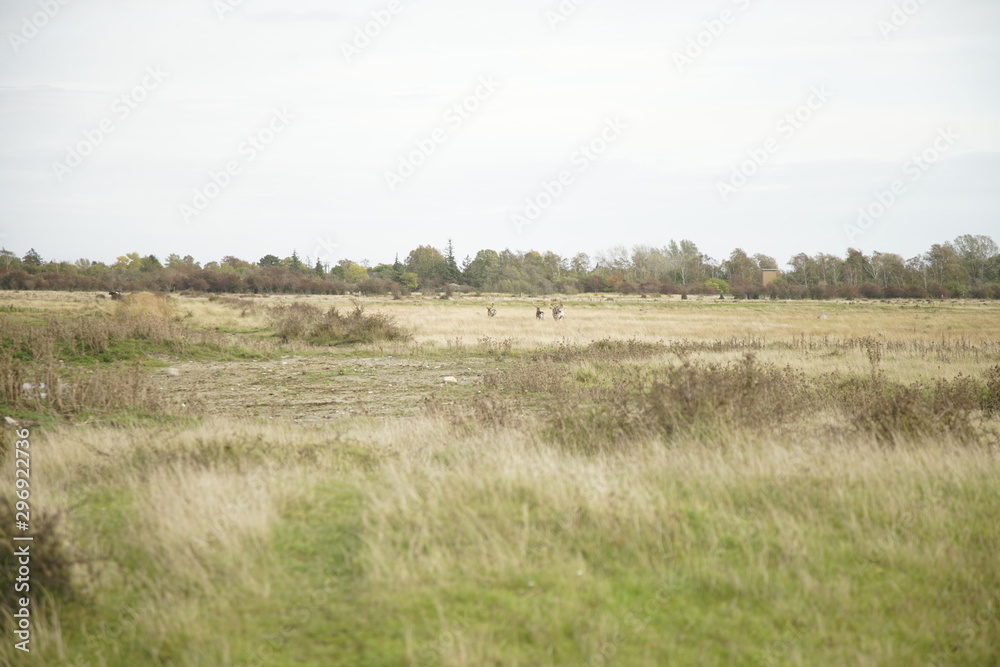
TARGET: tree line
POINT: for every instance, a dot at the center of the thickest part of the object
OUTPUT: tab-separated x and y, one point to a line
968	266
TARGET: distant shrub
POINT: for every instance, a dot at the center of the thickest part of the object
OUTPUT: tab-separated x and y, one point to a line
820	292
848	292
956	290
337	286
302	321
870	291
915	292
937	290
374	286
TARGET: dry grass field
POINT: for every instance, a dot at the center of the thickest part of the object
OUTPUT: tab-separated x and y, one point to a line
257	481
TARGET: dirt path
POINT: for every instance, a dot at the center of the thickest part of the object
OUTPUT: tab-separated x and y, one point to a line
310	389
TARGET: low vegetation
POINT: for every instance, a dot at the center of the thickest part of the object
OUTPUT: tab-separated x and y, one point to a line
306	322
725	498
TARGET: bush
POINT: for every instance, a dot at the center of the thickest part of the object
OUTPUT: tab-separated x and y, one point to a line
956	289
717	285
692	399
870	291
937	290
301	321
890	411
848	292
821	292
374	286
746	394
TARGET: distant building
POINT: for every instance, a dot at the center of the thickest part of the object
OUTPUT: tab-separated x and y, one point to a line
769	276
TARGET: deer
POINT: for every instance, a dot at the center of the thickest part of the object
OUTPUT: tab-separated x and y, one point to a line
539	313
557	312
115	296
491	311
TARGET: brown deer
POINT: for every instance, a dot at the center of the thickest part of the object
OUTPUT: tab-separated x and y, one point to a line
491	311
539	313
557	312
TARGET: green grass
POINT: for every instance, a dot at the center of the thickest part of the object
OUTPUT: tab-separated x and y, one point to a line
807	568
467	534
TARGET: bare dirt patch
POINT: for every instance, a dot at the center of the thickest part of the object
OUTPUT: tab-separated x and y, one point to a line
311	389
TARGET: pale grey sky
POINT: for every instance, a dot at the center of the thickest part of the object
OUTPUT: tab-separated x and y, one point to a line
310	127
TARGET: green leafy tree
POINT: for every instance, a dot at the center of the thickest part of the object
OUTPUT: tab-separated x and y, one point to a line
236	263
483	271
9	261
719	285
740	265
945	265
149	263
128	262
975	253
580	264
430	266
293	262
453	274
31	260
409	280
270	260
387	272
355	273
765	261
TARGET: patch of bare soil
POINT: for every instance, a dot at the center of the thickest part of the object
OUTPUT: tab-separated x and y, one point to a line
311	389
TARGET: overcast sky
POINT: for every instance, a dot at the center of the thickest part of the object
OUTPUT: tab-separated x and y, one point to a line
671	98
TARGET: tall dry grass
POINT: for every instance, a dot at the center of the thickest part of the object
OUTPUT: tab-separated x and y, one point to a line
721	498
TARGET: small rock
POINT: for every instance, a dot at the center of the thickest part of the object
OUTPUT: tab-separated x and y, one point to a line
173	372
450	380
